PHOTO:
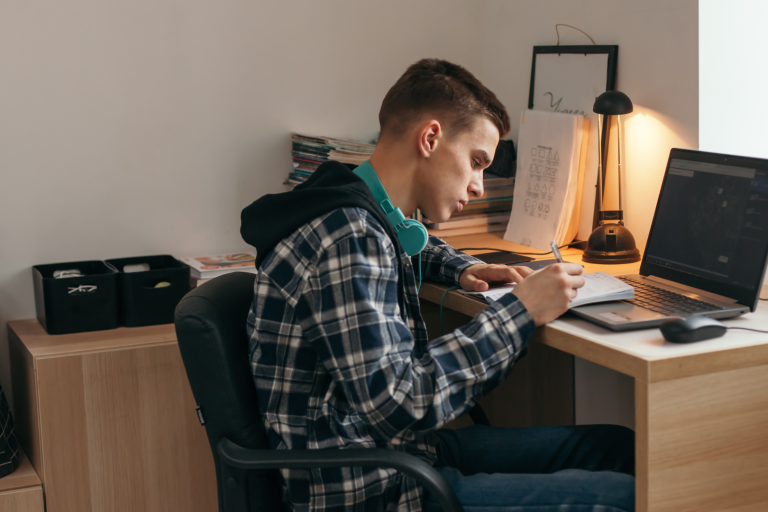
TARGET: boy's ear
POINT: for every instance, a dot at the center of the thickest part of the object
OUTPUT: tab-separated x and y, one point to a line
429	137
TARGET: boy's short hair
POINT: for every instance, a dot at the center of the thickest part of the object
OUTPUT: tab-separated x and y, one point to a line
440	87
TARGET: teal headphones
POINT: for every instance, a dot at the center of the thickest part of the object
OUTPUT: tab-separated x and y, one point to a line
411	233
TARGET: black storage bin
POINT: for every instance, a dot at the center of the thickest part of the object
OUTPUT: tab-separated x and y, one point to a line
140	302
76	304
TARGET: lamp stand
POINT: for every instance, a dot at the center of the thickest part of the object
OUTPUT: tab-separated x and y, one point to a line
613	243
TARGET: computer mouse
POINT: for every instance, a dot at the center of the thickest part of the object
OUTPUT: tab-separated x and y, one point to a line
692	328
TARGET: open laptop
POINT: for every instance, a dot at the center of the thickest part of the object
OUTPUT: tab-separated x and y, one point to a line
707	248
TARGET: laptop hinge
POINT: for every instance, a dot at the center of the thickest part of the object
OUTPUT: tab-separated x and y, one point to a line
691	289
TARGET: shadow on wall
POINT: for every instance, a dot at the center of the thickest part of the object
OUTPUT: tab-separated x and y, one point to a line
14	305
255	177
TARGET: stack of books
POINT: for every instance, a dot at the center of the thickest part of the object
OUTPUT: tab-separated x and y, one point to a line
310	152
205	268
487	214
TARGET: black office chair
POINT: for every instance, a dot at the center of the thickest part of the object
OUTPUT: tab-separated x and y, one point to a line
211	330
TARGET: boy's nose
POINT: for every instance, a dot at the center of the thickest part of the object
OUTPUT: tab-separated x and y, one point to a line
475	189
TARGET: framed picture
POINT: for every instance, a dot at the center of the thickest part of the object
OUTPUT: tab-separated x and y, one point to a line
567	79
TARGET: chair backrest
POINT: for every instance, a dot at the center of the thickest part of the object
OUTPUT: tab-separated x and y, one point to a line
211	331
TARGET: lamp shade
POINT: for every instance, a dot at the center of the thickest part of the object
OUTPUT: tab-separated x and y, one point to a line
612	103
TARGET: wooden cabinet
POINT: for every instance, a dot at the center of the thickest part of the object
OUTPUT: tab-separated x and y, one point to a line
21	490
108	420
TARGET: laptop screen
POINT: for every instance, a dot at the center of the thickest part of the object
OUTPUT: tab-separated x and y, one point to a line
710	229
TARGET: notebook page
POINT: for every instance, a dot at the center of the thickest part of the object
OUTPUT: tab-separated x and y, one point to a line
598	287
493	294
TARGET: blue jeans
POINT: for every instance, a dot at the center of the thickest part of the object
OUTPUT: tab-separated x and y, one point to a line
586	468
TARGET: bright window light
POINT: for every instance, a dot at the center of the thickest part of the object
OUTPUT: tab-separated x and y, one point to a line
733	77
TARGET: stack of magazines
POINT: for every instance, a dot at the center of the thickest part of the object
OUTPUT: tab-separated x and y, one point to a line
204	268
310	152
487	214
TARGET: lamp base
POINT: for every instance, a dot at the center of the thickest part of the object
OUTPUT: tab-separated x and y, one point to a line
611	244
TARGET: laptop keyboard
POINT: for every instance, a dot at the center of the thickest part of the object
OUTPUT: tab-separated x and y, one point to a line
666	302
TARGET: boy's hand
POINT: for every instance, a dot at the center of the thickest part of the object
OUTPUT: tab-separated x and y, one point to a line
547	293
478	278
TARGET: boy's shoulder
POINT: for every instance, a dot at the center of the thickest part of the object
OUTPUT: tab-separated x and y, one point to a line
297	255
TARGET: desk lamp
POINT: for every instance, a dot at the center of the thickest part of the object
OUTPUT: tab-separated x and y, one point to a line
610	243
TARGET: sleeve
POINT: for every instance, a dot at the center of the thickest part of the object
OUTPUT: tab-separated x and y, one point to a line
441	262
351	317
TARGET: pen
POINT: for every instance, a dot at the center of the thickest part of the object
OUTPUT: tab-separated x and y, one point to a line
556	252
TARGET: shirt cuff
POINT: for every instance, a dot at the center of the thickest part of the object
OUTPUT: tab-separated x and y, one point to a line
456	270
450	262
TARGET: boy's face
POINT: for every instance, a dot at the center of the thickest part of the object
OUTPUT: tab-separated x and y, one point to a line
454	172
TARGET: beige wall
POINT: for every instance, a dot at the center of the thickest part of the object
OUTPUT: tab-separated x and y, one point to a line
145	127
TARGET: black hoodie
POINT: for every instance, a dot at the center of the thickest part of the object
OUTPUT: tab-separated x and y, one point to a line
274	217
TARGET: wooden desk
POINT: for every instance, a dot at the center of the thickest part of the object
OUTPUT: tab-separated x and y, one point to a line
21	491
701	410
108	420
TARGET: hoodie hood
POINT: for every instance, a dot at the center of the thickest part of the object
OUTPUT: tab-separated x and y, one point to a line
274	217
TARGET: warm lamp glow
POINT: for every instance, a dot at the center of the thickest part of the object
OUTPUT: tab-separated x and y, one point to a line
648	137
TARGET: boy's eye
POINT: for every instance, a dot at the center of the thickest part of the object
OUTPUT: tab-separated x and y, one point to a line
475	163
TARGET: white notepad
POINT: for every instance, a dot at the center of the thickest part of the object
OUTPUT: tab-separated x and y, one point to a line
599	287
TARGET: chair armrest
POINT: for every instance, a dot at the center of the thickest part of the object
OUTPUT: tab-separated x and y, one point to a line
243	458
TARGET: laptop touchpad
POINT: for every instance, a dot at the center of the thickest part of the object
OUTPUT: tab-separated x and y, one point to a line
619	312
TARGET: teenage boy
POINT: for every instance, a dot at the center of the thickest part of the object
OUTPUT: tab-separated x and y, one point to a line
339	350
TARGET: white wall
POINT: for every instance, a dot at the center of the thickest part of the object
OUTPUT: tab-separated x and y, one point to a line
733	77
134	128
657	69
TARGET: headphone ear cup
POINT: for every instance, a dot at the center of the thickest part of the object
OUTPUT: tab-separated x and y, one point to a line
413	237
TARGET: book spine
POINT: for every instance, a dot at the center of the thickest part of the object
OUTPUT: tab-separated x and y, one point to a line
476	221
472	230
488	206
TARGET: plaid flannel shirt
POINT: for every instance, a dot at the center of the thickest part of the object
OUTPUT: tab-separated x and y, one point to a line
337	364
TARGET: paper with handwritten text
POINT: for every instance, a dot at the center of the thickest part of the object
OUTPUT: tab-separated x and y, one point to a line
547	175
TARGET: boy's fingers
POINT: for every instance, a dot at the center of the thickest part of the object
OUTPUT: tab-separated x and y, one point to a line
577	282
573	269
523	271
476	284
501	274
